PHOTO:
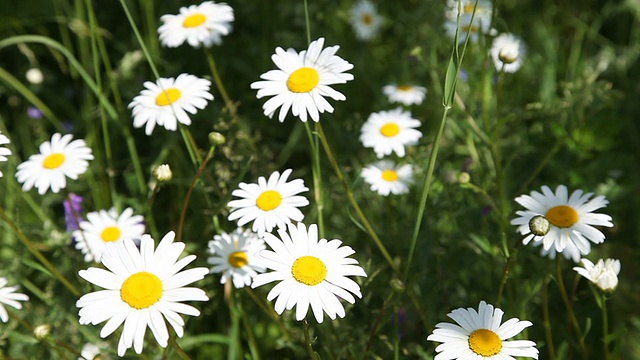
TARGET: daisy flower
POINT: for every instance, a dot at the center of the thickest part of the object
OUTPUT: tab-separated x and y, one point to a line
390	131
481	23
507	52
603	274
386	177
144	287
92	351
236	256
268	203
167	102
571	218
311	273
4	152
480	335
9	297
302	81
58	159
405	94
365	19
202	24
104	226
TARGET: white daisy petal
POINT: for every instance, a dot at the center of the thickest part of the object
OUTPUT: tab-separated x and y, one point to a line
9	297
238	256
390	131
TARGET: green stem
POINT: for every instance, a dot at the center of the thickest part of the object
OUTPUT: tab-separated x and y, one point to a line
307	22
317	177
605	326
261	302
567	302
546	317
176	347
386	303
307	340
29	245
230	106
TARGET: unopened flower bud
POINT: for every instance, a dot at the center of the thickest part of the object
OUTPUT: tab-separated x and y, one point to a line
34	76
215	138
464	177
539	225
42	331
163	172
397	285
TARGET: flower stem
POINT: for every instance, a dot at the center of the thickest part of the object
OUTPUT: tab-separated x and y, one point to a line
230	106
605	326
569	306
545	315
307	340
317	177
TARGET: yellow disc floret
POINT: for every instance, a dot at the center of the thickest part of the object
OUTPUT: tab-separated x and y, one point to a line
168	97
390	129
141	290
269	200
238	259
53	161
109	234
303	80
309	270
485	342
562	216
194	20
390	175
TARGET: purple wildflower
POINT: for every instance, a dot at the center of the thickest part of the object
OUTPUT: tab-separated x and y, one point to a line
72	211
34	113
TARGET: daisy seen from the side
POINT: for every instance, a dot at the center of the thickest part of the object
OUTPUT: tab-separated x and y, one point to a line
4	152
365	20
302	81
104	226
143	288
507	52
198	25
269	203
167	102
572	218
58	159
390	131
405	94
604	273
9	297
310	273
386	177
236	256
481	335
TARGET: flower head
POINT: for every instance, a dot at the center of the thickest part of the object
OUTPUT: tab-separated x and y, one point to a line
405	94
72	211
4	152
235	255
34	113
302	81
603	274
365	19
143	288
386	177
311	273
103	227
9	297
390	131
58	159
268	203
507	52
571	218
203	24
162	172
480	335
167	102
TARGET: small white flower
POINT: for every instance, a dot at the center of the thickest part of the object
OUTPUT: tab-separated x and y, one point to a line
302	81
604	273
405	94
365	19
163	172
58	159
390	131
203	24
34	76
90	351
386	177
9	296
507	52
480	335
269	203
572	219
4	152
167	102
236	256
102	227
310	273
144	287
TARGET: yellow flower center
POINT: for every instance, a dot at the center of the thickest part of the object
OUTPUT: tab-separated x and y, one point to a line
109	234
390	129
238	259
168	97
309	270
53	161
470	29
194	20
389	175
562	216
405	87
467	9
507	57
303	80
485	342
141	290
269	200
367	19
